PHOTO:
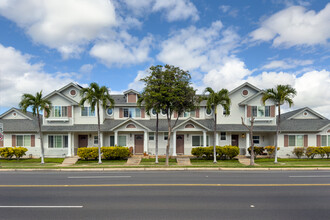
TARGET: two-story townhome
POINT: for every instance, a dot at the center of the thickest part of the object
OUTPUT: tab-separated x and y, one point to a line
69	126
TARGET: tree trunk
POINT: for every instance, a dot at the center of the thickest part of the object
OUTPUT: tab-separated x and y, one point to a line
41	139
214	135
277	131
156	139
251	139
98	133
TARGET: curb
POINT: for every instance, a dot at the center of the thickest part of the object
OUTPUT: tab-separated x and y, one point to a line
165	169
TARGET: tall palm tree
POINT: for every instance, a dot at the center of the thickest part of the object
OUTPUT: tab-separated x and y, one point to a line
279	95
213	99
38	104
96	96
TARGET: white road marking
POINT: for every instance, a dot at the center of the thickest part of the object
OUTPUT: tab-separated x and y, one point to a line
24	206
310	176
96	177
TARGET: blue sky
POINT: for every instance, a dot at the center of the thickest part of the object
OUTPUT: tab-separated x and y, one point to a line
45	44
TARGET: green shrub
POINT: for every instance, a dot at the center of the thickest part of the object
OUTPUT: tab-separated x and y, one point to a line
257	151
310	152
298	151
198	152
327	151
319	151
220	152
19	152
115	153
88	153
7	152
208	152
271	150
230	151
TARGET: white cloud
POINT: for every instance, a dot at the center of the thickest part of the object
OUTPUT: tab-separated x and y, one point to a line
121	49
203	48
63	25
86	68
286	64
174	10
18	76
295	26
137	84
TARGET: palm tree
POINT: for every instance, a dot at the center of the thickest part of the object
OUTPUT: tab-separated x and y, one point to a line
212	101
96	96
38	104
279	95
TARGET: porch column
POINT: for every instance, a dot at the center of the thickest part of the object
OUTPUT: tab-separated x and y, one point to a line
72	144
174	143
116	138
204	138
145	142
69	145
217	138
101	139
247	135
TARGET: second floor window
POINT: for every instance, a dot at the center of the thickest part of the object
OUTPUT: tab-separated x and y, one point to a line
59	111
87	111
132	113
261	111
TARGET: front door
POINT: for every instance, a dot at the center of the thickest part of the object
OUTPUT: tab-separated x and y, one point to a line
82	140
234	140
138	143
180	144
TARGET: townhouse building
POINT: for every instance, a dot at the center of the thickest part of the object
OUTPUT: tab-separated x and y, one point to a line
69	126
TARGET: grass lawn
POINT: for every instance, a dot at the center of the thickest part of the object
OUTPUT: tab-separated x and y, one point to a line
29	163
220	163
92	163
151	162
288	162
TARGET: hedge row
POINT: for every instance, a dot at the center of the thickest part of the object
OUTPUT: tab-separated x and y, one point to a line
270	150
9	152
108	153
311	152
225	152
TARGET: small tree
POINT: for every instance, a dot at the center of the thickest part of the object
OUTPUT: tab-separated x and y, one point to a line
175	94
38	104
250	128
150	97
279	95
96	96
212	101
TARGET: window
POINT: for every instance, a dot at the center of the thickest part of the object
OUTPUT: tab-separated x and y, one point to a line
292	140
224	111
58	141
223	136
96	139
164	112
193	113
324	140
154	112
59	111
132	113
121	140
328	140
109	111
23	140
165	136
208	111
87	111
296	140
186	114
112	140
261	111
151	136
199	141
256	139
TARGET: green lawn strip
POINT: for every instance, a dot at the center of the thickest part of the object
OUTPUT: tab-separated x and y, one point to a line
95	162
151	162
289	162
220	163
29	163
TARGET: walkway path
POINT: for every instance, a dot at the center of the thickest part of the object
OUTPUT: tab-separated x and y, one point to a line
245	160
69	161
183	161
133	161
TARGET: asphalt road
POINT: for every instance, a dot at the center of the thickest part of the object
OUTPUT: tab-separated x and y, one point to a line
165	195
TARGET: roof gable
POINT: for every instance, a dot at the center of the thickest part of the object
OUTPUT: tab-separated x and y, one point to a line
190	121
10	114
131	91
246	84
61	95
306	113
128	121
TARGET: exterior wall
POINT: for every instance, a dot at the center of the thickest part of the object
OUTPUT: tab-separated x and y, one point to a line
12	116
66	92
287	151
35	151
58	101
308	116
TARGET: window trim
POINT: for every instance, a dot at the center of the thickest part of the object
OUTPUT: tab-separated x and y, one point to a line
151	134
97	139
89	112
130	113
108	113
221	136
23	140
61	112
254	138
165	136
63	141
121	136
207	113
201	141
